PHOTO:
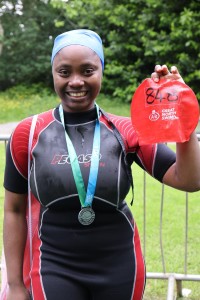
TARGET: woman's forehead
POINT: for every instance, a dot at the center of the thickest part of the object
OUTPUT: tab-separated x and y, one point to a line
76	54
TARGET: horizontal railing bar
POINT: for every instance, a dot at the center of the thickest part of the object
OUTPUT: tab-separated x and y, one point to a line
4	137
185	277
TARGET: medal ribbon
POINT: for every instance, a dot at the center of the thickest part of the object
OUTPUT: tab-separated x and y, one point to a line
85	198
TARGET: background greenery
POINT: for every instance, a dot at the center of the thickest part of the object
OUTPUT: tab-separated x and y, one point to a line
136	34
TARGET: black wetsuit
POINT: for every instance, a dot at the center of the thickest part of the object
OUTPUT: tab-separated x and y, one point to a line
101	261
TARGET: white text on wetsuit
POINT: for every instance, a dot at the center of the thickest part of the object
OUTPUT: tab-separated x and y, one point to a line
59	159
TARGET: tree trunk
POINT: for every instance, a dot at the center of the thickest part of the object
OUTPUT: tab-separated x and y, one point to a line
1	38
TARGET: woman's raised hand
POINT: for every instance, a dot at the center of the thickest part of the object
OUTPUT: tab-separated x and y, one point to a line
163	72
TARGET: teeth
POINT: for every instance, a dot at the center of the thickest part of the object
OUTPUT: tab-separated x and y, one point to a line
78	94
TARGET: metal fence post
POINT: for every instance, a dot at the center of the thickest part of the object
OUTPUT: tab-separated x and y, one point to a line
171	283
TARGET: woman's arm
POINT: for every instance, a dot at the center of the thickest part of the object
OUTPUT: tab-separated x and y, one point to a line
14	236
184	174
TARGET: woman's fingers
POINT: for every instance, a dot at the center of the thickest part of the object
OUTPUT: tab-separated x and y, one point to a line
162	71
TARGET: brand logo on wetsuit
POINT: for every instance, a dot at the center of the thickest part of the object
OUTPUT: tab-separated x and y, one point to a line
64	159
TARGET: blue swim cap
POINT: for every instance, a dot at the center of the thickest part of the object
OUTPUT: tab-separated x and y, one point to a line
83	37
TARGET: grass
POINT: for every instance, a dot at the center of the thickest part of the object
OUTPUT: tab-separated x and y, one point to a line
15	106
173	233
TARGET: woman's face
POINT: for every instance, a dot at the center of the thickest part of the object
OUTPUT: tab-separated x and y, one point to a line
77	76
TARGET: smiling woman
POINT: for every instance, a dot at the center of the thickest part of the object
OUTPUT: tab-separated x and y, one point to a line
77	64
77	75
84	242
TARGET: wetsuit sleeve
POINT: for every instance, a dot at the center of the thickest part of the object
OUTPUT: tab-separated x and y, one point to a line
13	180
16	169
155	159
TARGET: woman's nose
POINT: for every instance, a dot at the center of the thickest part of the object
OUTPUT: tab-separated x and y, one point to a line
76	80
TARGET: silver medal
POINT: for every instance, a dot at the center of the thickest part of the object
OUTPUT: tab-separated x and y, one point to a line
86	216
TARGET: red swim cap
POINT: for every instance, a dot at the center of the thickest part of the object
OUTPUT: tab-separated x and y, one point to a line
167	111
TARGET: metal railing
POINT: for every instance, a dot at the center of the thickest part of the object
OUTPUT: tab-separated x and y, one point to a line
174	279
4	137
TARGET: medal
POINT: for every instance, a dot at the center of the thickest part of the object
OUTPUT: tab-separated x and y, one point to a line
86	216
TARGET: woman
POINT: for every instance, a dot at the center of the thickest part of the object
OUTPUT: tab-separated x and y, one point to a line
85	241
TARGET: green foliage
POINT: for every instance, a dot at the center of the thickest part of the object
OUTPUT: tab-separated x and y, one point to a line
27	44
137	35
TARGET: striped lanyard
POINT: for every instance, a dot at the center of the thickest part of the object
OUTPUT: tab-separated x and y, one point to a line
85	197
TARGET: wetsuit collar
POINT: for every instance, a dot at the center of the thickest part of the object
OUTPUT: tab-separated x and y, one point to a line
79	117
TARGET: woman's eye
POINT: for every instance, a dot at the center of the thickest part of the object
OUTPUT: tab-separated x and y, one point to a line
64	72
89	71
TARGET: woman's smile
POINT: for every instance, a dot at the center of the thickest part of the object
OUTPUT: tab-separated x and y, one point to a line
77	94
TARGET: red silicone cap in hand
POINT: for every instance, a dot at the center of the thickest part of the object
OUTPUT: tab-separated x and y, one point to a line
166	111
